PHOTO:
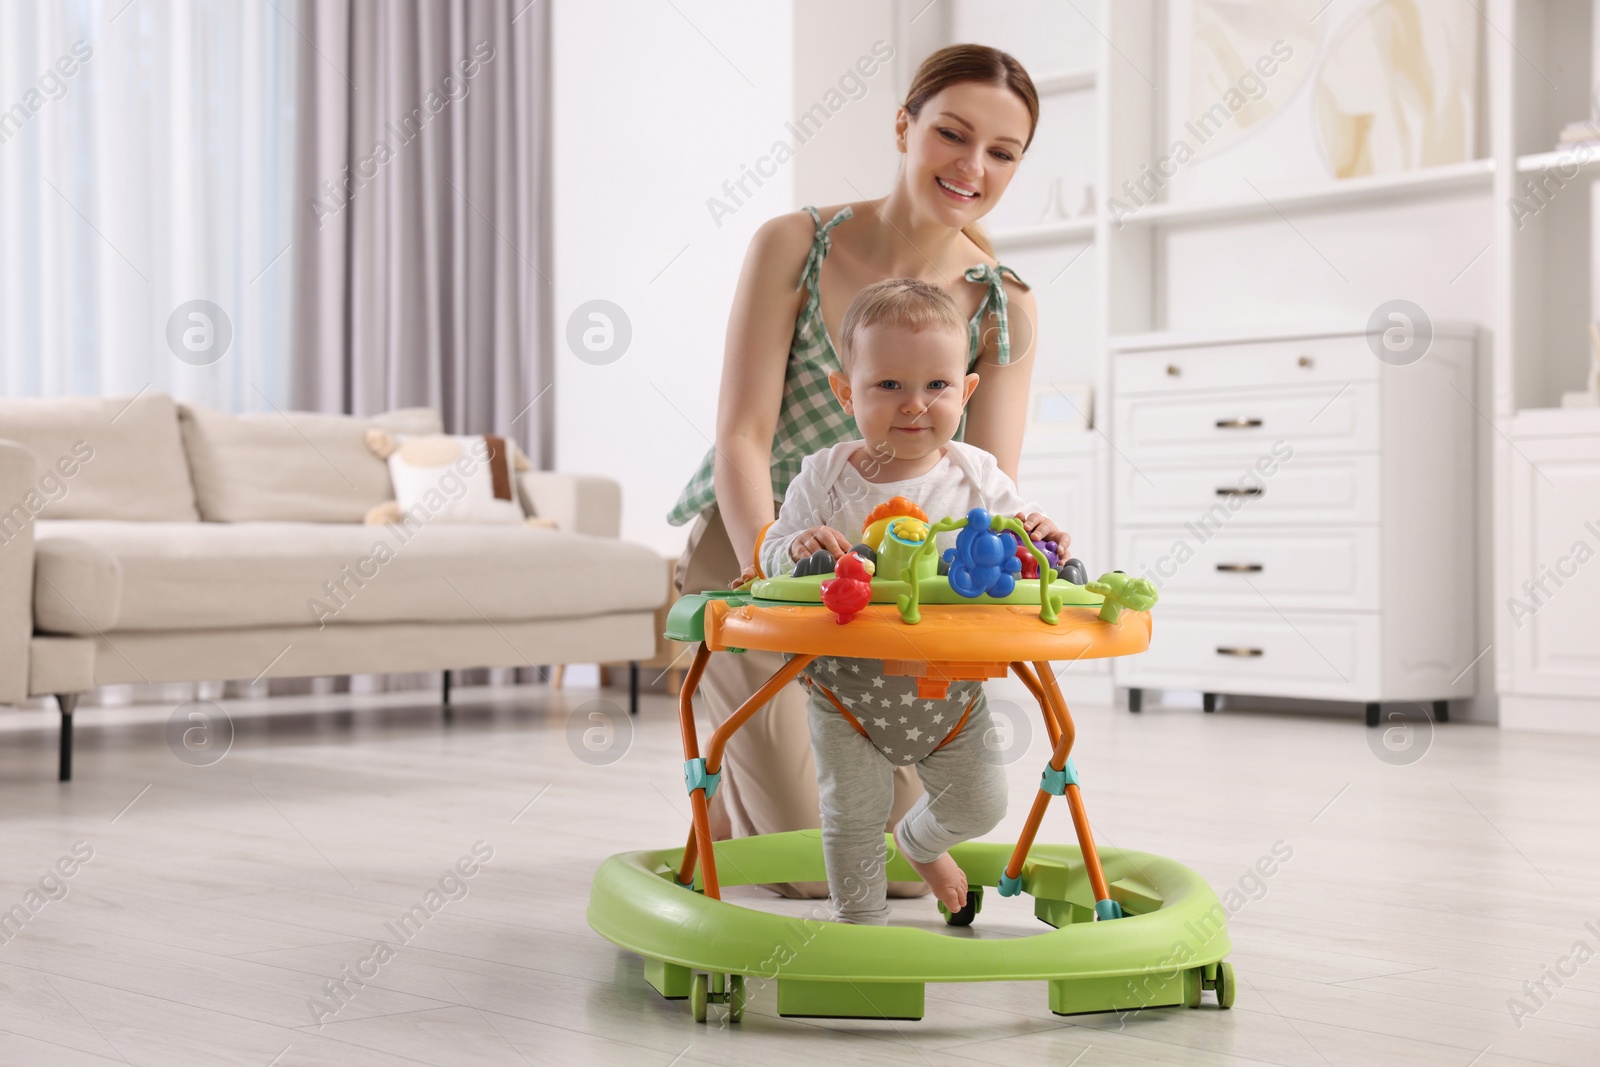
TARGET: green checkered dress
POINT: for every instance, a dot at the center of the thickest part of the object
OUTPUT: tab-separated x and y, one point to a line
811	419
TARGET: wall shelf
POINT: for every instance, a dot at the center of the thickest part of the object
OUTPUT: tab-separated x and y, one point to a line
1471	176
1586	156
1555	422
1081	229
1135	342
1065	81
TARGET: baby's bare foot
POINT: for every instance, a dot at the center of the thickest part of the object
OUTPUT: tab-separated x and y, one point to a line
943	875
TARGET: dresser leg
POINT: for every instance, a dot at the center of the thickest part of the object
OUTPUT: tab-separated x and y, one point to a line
1208	701
1372	714
1135	699
1441	711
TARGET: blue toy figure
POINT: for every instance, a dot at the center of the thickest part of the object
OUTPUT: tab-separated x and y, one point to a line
982	561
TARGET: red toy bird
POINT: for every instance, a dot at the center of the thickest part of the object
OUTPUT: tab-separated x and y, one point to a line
850	588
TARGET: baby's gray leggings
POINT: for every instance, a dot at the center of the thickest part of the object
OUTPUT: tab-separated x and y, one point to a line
965	798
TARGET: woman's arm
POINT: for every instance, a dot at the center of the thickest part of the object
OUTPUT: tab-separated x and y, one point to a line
997	412
755	358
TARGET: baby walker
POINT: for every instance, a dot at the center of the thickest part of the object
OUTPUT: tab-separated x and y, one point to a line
1130	931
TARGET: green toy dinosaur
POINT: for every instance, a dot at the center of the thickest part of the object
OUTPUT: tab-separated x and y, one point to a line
1120	591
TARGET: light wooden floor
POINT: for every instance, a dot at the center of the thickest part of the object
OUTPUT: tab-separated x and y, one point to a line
220	899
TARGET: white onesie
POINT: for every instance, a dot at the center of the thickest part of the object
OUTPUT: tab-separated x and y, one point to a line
829	491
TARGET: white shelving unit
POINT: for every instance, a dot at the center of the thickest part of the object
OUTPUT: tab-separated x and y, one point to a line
1273	257
1546	458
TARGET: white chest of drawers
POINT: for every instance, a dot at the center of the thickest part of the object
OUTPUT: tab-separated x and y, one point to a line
1307	511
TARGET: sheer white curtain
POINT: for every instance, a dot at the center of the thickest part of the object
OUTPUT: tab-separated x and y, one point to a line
146	160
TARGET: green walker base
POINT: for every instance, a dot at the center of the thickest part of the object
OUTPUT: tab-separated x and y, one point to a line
1165	952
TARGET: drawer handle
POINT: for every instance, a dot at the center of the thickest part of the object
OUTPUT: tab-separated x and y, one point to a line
1253	490
1247	653
1173	370
1238	424
1239	568
1306	361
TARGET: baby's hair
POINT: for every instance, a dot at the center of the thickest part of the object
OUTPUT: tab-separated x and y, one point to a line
904	303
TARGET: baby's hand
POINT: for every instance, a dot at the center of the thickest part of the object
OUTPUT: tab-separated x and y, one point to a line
818	537
1040	528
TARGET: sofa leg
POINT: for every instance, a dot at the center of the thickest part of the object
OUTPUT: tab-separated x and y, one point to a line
67	702
449	712
633	687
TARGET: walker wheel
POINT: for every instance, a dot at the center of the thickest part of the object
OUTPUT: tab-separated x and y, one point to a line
1225	985
1193	980
968	912
735	997
697	996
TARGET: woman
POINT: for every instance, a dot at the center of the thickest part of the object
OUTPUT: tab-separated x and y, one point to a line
968	117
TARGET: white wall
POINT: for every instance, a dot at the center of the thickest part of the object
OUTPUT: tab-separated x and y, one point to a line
853	156
656	106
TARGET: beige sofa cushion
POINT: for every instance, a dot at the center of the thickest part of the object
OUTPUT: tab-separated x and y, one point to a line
77	586
179	576
295	466
135	467
60	664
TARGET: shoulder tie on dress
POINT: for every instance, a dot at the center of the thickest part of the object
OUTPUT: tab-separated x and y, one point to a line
995	301
820	245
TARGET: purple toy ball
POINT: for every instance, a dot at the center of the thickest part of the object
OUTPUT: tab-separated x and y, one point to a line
1047	547
1049	550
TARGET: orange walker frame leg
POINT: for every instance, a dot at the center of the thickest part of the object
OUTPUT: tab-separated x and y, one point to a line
701	775
1060	778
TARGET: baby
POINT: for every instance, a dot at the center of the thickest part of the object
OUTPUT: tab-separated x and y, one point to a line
905	381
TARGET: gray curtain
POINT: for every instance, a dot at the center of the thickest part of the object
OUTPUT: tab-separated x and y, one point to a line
421	273
422	225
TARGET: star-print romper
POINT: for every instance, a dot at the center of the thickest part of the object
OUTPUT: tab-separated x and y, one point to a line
864	724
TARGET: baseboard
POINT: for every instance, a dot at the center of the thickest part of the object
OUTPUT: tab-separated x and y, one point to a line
1549	715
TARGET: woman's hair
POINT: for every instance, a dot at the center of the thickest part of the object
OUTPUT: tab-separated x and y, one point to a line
905	304
959	63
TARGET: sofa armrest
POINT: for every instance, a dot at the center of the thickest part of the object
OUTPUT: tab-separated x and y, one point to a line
576	503
18	480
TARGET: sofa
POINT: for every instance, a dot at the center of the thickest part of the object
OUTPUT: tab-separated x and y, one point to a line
147	541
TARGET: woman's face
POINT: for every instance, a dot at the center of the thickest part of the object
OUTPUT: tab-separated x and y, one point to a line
962	149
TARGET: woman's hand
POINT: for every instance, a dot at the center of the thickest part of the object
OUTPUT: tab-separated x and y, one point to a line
1040	528
746	575
817	538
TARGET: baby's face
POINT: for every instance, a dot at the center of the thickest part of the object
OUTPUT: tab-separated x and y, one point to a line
907	389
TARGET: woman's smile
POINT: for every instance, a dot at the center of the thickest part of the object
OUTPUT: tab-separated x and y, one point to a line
955	190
